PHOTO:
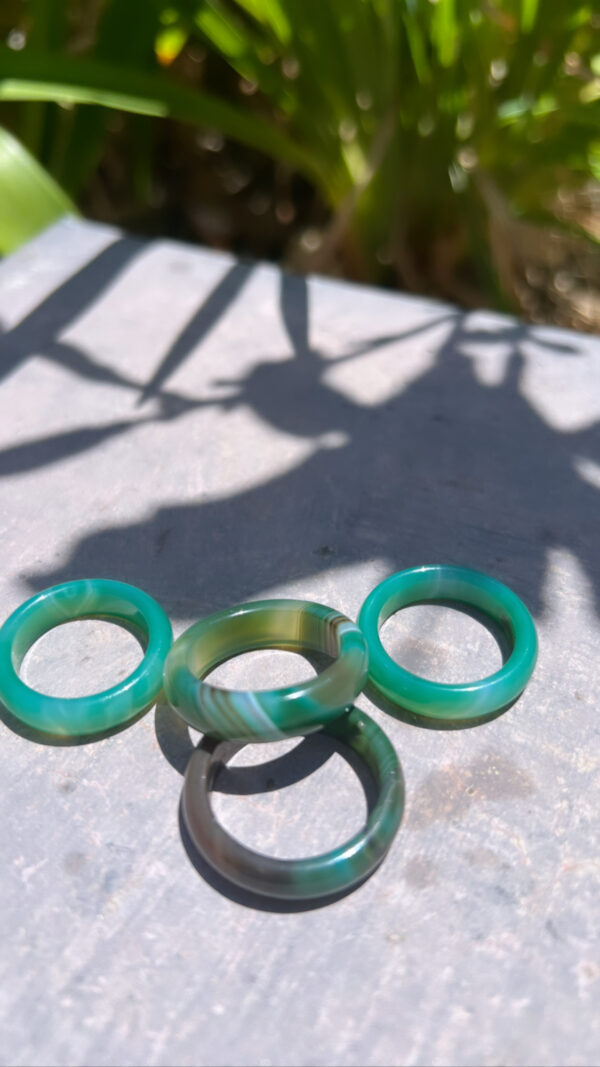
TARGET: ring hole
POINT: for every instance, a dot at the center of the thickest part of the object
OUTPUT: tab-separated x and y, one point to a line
444	643
80	658
301	799
268	668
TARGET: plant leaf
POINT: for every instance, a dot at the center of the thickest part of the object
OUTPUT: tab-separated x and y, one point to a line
30	199
125	36
529	10
66	79
270	13
444	31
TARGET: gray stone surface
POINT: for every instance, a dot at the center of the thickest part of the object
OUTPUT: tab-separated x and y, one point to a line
216	432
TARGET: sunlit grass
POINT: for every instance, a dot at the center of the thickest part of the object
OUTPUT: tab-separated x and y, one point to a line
425	126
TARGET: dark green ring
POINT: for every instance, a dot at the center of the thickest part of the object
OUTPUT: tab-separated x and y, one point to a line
303	879
97	598
267	714
435	700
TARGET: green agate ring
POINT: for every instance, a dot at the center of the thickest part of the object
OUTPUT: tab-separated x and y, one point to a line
302	879
266	715
96	598
460	585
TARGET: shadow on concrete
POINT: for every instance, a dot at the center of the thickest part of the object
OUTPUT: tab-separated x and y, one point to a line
39	333
449	470
207	316
176	745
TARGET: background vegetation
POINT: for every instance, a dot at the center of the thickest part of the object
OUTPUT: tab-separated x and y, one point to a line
450	147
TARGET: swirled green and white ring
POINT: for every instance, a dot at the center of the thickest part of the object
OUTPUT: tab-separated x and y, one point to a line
434	700
97	598
266	715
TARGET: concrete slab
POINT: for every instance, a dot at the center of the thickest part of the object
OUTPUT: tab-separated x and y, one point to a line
215	432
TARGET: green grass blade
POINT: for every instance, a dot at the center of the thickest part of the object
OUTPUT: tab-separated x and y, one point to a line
30	199
529	9
126	36
47	28
318	46
48	23
444	31
29	76
417	48
270	13
241	48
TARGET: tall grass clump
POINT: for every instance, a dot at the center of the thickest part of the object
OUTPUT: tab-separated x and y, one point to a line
454	145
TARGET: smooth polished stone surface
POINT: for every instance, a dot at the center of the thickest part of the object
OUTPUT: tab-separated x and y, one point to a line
83	599
332	872
266	715
434	700
217	432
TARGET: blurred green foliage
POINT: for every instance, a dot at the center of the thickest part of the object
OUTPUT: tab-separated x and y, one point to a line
30	198
441	134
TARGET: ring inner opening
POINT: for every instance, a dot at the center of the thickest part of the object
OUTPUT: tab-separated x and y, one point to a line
263	669
445	642
235	640
81	657
300	799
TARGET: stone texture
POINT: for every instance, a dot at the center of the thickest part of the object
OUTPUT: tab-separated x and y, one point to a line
216	432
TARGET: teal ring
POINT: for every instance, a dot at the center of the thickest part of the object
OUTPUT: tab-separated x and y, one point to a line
432	699
98	598
303	879
270	714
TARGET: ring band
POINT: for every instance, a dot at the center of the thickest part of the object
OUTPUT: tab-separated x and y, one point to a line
318	876
266	715
436	700
83	599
